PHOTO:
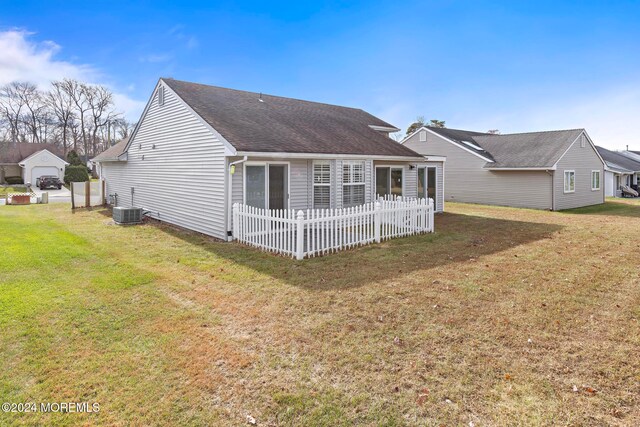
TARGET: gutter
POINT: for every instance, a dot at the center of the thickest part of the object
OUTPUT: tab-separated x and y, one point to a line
327	156
231	167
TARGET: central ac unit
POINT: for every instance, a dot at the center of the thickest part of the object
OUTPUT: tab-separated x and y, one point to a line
127	215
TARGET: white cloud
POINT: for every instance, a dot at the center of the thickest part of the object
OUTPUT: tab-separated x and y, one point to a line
156	57
26	60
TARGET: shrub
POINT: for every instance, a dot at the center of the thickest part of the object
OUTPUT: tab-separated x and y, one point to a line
13	180
75	174
74	159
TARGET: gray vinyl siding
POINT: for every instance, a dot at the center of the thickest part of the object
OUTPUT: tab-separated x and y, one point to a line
181	180
466	180
582	160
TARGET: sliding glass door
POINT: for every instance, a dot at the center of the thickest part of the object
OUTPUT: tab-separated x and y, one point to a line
389	181
277	187
266	186
255	188
427	184
382	182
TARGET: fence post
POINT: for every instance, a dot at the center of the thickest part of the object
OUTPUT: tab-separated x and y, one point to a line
431	209
103	190
87	194
234	218
376	221
73	200
300	235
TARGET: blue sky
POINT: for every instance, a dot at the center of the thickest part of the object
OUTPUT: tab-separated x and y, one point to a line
514	66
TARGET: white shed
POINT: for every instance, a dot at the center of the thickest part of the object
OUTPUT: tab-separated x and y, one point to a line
41	163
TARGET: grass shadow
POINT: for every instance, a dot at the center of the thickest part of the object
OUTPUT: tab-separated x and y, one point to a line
615	207
458	238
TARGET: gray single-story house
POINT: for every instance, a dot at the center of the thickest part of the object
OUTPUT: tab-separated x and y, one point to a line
620	169
199	149
31	161
542	170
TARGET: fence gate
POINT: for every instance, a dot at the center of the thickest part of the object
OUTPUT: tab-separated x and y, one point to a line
87	194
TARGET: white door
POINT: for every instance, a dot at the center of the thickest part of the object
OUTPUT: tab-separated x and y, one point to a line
39	171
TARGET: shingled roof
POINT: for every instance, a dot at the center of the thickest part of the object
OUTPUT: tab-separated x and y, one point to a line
516	150
254	122
11	154
618	162
112	153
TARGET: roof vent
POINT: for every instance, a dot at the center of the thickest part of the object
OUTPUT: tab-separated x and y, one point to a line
260	98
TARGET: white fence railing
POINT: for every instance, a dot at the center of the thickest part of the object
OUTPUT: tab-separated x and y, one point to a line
319	231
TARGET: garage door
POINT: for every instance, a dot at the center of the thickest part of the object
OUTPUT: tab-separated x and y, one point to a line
39	171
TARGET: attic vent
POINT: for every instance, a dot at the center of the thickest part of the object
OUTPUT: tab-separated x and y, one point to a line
583	141
472	145
423	135
161	95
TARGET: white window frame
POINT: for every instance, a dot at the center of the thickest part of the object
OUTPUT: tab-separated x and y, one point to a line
568	182
266	180
321	184
593	173
391	167
351	163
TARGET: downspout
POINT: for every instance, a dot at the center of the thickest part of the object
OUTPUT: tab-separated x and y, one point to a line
553	189
229	195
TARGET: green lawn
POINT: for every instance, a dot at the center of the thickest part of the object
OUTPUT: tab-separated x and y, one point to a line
492	320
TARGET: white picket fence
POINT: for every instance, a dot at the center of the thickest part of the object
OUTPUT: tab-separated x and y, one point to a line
320	231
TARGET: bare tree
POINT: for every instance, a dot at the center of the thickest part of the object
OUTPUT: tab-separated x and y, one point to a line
61	105
100	102
11	106
77	92
33	109
123	128
71	114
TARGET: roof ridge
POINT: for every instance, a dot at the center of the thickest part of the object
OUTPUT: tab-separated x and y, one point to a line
540	131
459	130
264	94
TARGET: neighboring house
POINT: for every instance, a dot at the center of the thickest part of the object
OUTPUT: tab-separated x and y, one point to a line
542	170
30	161
620	170
199	149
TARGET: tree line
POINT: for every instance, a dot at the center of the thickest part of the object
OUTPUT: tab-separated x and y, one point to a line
71	115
